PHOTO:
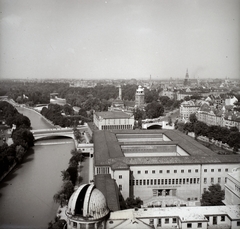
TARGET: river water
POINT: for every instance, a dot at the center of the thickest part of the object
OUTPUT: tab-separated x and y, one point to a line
26	194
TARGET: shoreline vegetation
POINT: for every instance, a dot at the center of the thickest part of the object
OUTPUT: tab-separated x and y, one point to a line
71	178
23	139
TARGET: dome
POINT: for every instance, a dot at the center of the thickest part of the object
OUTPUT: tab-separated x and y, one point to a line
87	203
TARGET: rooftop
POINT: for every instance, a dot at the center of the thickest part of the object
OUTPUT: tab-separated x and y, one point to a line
109	151
185	214
112	114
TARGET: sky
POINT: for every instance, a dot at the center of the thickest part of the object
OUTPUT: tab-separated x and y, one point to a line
119	39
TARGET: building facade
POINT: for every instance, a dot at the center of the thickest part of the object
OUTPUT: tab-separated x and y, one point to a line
232	187
113	120
163	167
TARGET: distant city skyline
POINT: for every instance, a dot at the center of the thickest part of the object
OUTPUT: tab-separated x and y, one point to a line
117	39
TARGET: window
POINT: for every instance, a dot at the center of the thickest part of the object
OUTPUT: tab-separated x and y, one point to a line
219	179
222	218
162	182
199	225
169	181
151	181
159	222
147	182
182	171
140	182
212	170
166	221
175	171
205	180
155	181
189	225
173	181
238	223
196	170
120	187
153	171
146	171
180	181
139	172
75	224
174	220
160	171
168	171
183	181
212	180
205	170
150	221
120	176
189	171
226	170
176	181
159	181
144	182
165	181
219	170
136	182
225	179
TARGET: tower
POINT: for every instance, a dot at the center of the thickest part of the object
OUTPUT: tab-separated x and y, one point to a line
186	80
139	97
120	93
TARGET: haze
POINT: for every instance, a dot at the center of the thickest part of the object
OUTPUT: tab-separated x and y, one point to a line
119	39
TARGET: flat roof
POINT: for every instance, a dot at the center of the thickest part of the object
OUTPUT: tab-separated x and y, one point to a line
185	214
112	114
108	151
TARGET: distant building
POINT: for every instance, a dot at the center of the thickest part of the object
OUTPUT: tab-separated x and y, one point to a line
113	120
54	99
187	108
139	97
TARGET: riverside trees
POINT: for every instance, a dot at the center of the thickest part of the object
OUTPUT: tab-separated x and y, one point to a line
22	137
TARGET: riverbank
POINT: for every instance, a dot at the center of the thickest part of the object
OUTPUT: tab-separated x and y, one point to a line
47	120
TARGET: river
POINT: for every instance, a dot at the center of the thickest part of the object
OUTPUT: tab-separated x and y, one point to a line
26	194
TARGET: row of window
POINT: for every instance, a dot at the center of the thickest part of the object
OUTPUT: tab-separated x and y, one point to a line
116	127
176	171
165	181
212	180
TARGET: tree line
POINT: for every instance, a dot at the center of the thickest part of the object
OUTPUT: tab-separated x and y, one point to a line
229	136
22	137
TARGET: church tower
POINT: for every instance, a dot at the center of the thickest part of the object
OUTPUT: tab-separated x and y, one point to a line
186	80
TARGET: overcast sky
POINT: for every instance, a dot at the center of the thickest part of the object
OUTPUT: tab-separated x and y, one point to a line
119	39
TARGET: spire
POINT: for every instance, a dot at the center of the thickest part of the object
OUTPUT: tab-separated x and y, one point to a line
187	76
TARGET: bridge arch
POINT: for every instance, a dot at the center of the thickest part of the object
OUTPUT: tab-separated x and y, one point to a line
154	126
36	138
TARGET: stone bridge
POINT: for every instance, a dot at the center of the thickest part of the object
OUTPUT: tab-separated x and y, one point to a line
156	125
55	132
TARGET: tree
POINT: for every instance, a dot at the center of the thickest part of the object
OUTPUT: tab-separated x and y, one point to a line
200	128
138	114
154	110
193	118
213	197
133	202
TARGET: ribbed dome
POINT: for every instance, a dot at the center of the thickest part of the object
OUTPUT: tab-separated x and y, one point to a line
87	202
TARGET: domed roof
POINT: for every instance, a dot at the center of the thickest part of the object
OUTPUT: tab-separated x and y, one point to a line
87	202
